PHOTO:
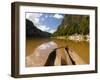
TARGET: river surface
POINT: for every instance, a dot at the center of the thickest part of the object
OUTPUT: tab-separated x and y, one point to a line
81	48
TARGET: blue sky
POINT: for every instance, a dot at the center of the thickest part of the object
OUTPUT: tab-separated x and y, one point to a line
48	22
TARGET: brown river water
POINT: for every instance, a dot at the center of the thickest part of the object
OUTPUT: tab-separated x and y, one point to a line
81	48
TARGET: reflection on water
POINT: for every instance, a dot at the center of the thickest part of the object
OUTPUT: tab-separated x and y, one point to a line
51	45
40	54
37	50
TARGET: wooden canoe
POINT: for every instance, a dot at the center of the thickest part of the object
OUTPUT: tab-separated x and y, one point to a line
48	54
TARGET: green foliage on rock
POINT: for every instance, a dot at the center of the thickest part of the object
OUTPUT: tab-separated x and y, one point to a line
73	24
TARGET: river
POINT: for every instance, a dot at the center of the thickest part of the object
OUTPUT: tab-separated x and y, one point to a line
81	48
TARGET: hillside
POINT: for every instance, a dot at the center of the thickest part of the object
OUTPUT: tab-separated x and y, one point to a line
73	24
33	31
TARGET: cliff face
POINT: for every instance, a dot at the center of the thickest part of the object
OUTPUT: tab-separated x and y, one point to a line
73	24
33	31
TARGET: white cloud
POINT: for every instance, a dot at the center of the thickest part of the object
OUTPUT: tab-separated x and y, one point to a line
42	19
29	15
52	30
34	17
58	16
43	28
46	16
36	20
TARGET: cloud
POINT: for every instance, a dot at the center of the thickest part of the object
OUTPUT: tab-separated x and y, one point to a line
36	20
52	30
28	15
42	19
39	20
58	16
34	17
46	16
43	28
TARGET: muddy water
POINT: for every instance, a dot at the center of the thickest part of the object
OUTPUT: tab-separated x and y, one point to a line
81	48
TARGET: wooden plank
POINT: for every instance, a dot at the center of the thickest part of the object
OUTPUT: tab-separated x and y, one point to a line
69	62
75	57
58	58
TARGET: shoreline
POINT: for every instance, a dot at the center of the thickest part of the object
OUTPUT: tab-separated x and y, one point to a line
74	37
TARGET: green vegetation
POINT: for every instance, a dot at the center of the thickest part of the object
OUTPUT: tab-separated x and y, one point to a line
73	24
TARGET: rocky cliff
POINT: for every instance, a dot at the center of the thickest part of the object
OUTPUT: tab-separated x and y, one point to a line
73	24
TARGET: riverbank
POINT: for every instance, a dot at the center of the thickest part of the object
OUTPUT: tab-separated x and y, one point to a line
74	37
